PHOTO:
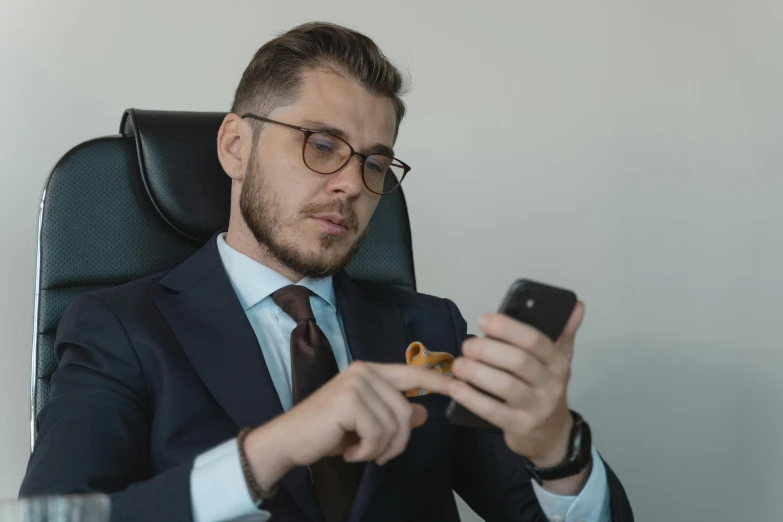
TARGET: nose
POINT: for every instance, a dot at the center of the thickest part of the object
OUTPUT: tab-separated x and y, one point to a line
349	178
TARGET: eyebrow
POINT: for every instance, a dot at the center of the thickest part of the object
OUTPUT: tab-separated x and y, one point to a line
378	148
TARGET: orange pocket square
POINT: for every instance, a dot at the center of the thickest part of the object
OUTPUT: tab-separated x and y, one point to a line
418	355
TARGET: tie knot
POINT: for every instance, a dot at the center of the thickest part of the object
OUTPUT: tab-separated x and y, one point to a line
295	301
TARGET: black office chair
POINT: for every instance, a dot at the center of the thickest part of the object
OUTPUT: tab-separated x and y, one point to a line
123	207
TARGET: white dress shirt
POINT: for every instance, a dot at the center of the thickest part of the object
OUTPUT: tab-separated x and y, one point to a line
218	489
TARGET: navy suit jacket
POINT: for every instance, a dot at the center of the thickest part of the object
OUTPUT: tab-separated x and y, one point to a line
153	373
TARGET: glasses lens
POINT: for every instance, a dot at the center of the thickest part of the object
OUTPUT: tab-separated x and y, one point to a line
325	153
382	174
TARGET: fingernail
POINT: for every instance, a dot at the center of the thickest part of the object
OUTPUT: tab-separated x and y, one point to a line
483	322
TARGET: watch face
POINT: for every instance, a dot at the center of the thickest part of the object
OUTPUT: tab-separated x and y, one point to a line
583	444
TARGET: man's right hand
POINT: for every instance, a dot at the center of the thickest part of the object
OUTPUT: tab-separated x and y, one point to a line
361	414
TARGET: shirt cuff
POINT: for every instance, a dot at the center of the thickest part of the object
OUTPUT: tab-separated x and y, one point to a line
218	490
591	505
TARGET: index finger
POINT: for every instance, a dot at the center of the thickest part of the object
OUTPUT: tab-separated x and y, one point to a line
404	377
514	332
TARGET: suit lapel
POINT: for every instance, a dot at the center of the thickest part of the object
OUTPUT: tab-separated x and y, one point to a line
374	331
206	317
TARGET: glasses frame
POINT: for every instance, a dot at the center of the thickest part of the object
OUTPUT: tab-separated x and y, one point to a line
362	157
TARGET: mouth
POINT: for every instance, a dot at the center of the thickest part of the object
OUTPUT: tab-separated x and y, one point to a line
332	224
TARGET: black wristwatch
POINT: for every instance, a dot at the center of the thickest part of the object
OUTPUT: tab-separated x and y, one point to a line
580	450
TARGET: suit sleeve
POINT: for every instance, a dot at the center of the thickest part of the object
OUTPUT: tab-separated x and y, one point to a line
93	433
492	479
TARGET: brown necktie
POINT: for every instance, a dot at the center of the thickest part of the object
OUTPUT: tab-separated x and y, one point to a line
312	364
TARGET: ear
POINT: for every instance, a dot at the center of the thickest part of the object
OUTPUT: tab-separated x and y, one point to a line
234	143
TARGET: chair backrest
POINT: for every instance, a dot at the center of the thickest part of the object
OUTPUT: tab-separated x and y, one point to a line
122	207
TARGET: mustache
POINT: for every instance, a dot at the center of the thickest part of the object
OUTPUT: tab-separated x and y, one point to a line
338	207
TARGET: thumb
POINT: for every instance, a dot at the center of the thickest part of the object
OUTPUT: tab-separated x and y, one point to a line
566	341
574	322
419	415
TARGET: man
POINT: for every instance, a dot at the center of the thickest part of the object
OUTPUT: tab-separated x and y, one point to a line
257	380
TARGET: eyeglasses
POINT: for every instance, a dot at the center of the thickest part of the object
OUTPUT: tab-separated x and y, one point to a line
325	153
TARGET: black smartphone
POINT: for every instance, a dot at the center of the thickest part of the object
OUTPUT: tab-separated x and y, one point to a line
545	308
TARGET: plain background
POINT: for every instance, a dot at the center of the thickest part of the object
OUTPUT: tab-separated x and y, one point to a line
630	150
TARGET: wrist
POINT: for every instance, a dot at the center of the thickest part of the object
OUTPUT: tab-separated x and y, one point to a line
266	456
558	451
569	475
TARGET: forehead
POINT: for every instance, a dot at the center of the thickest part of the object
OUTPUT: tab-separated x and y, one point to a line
336	100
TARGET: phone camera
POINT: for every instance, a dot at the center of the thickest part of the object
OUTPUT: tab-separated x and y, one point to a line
525	299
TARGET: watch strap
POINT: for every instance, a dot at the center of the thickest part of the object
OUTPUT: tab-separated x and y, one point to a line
578	457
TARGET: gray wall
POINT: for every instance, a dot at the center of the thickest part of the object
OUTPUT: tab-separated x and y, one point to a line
630	150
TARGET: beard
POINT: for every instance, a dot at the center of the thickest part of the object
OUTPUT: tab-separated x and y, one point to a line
262	212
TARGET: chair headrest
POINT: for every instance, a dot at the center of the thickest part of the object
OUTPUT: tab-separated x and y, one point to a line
180	170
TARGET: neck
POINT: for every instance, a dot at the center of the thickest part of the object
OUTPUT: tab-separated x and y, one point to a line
241	239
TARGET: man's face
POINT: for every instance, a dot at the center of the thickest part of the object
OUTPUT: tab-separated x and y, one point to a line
292	210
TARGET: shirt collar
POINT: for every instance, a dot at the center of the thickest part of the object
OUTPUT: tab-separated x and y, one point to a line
253	281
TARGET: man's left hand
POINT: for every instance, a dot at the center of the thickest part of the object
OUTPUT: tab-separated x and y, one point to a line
530	374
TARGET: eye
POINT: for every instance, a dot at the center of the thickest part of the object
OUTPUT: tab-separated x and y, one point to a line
373	167
377	164
321	146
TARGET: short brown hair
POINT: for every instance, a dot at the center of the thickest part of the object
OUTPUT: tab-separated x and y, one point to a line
273	77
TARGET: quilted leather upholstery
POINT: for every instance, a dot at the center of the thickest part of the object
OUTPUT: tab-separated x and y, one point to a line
122	207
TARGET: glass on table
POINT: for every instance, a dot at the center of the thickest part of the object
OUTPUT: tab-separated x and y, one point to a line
58	508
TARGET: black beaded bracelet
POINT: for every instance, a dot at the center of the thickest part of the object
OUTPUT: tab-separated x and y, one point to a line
256	492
